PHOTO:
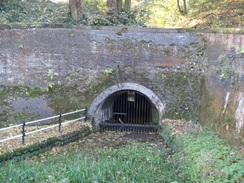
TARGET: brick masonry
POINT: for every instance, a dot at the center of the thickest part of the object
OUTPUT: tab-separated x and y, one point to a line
183	68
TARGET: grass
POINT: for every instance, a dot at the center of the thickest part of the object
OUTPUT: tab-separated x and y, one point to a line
132	163
197	157
204	157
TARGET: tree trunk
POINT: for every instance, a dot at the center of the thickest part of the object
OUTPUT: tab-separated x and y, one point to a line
112	5
119	5
127	5
76	9
184	11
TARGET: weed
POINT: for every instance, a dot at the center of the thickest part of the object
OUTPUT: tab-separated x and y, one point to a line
50	84
221	58
239	50
108	71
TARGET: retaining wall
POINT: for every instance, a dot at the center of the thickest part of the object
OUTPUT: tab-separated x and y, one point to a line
197	74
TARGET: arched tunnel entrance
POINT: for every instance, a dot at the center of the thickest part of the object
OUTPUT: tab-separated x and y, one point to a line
127	107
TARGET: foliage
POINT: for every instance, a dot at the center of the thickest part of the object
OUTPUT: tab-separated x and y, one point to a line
95	13
152	13
225	69
13	11
200	13
240	50
108	71
204	157
51	75
215	14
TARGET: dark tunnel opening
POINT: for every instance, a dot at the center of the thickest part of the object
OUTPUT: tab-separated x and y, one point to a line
129	107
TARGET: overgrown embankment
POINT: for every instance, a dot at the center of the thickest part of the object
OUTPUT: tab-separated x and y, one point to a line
213	14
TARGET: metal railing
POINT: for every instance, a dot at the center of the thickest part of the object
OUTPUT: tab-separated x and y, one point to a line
24	133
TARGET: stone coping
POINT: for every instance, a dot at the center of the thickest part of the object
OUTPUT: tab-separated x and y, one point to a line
118	28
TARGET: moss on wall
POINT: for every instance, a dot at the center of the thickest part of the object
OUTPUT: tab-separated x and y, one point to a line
214	117
68	98
8	115
182	92
61	98
20	91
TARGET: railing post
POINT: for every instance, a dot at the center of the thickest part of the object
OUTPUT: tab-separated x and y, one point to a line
85	115
23	133
59	122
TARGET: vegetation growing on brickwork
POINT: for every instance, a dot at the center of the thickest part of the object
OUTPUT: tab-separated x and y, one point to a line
18	91
10	94
51	83
63	99
214	116
58	97
182	91
225	70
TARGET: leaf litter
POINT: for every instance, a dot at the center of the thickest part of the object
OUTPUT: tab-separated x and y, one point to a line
10	145
104	140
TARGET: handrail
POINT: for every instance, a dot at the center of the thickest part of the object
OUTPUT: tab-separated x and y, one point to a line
28	133
54	126
65	114
71	121
44	119
2	129
10	138
39	120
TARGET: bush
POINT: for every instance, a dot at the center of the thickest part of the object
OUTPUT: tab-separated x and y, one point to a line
15	11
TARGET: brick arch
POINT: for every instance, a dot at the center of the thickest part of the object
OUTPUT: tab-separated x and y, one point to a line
95	111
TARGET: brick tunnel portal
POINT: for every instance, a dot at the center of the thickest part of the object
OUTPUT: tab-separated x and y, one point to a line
125	105
129	107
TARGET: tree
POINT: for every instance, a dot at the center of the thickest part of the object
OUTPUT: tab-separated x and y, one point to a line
127	5
183	10
116	6
119	5
76	9
113	6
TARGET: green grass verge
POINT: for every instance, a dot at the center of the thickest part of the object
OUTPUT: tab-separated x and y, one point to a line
133	163
194	158
204	157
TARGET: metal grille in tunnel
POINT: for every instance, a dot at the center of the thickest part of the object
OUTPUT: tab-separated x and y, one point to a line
129	110
132	108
